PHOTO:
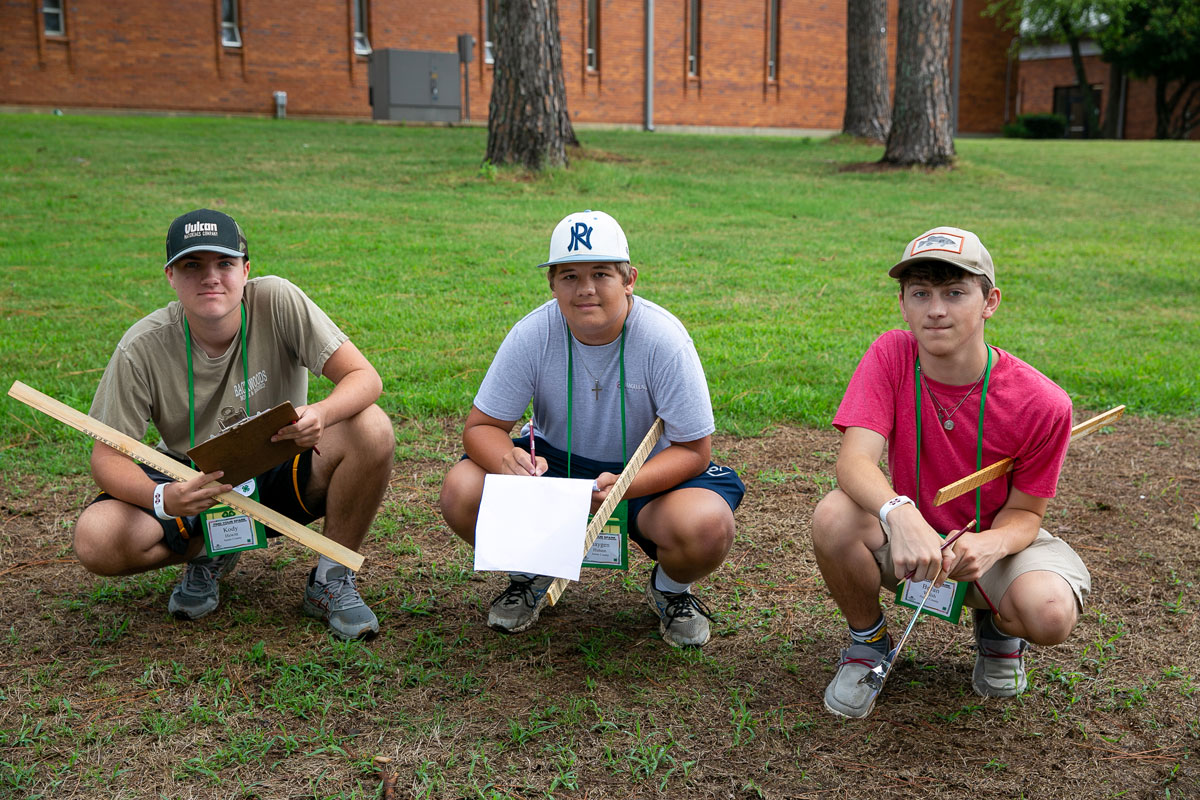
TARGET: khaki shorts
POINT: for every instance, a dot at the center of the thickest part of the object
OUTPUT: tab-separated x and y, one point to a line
1046	552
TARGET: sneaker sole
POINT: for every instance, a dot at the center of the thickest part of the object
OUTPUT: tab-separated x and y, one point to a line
844	715
310	610
524	626
186	616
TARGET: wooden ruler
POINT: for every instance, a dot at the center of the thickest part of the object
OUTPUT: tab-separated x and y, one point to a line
610	502
168	466
1005	465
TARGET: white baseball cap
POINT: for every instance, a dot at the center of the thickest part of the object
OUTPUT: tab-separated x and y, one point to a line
587	236
952	245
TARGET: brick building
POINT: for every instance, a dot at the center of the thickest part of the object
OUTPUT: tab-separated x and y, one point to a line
1047	84
744	63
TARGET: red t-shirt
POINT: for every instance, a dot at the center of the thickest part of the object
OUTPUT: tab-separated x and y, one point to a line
1028	417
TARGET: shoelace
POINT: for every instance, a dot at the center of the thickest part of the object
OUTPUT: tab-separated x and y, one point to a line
987	652
680	606
198	577
339	587
518	589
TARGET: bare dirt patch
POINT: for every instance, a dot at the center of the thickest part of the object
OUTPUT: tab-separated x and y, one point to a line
105	695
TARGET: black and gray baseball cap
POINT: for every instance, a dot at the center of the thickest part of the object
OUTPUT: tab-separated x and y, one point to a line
205	229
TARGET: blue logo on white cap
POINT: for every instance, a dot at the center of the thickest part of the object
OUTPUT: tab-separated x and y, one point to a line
581	235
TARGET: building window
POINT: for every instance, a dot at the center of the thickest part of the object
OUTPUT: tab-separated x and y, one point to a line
231	36
693	38
362	45
1068	101
772	40
489	54
54	23
593	34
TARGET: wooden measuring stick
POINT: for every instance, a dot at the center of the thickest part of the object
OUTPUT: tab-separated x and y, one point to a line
168	466
610	502
1005	465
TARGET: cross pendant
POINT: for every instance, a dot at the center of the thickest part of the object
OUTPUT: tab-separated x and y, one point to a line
596	389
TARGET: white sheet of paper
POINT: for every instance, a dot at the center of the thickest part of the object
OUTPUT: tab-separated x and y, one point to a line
534	525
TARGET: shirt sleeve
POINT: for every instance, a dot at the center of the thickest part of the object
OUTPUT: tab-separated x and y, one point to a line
508	385
1039	463
870	398
680	392
123	396
309	332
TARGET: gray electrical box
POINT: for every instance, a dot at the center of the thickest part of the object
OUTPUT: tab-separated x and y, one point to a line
422	85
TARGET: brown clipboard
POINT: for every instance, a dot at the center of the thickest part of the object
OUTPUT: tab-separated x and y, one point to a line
246	450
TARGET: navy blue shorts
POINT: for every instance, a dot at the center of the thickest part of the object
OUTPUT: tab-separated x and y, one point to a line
722	480
280	488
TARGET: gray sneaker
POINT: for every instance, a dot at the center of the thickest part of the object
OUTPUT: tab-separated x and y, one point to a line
999	663
518	606
850	693
682	618
198	593
338	602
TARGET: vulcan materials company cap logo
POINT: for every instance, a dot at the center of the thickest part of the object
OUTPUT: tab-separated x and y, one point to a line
193	229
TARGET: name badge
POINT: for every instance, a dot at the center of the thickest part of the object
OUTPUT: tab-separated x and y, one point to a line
611	548
227	530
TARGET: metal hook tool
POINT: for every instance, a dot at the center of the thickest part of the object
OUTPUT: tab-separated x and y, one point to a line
880	672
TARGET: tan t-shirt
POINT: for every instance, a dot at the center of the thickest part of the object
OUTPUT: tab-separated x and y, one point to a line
147	379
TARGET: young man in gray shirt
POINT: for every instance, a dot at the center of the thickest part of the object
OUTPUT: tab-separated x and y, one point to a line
600	364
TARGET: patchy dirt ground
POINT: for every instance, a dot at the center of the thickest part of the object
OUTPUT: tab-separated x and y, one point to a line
105	695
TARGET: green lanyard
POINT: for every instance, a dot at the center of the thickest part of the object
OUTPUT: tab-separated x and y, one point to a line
571	395
187	333
987	376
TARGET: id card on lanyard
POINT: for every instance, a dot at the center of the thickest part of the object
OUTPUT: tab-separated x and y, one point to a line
946	601
611	548
226	530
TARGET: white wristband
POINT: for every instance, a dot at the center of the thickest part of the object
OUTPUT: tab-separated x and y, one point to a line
159	510
898	500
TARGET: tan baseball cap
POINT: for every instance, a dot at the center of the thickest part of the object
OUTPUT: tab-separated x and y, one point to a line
952	245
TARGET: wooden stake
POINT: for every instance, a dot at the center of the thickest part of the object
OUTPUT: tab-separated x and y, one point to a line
610	502
1005	465
168	466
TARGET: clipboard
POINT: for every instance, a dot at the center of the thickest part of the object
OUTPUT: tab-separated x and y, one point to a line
246	450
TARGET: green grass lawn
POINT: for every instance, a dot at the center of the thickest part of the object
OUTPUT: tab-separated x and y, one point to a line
774	259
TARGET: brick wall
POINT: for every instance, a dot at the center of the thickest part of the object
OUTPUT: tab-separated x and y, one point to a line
983	71
161	54
166	55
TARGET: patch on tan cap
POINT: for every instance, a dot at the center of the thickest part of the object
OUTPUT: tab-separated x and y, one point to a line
937	241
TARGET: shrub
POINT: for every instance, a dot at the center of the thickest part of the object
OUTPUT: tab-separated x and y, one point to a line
1043	126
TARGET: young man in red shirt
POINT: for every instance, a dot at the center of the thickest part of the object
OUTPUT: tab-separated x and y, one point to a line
932	393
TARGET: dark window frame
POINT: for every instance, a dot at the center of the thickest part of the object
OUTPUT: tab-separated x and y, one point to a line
694	13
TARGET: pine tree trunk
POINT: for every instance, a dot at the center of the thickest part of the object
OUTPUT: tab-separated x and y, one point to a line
868	107
922	127
527	119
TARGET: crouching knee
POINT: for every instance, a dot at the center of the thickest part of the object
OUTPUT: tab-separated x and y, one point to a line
93	551
1052	621
373	433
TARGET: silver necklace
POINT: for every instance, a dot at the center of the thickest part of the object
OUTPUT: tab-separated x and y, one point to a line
942	413
596	387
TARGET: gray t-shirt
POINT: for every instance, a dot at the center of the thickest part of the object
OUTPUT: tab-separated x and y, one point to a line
663	377
147	380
